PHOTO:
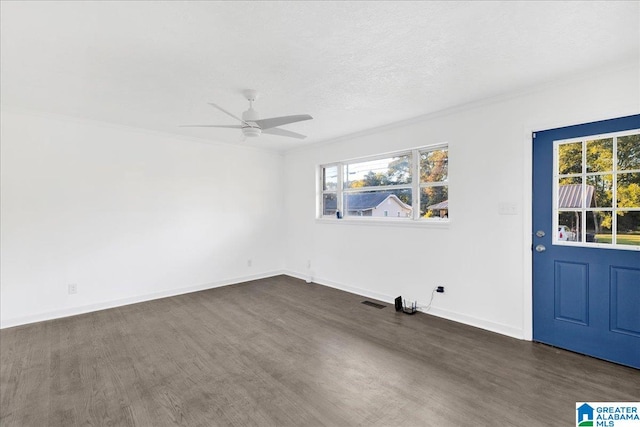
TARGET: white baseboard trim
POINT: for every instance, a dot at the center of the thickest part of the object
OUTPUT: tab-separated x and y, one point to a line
74	311
350	289
445	314
478	323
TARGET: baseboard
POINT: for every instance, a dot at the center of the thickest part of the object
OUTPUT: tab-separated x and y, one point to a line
478	323
342	287
74	311
445	314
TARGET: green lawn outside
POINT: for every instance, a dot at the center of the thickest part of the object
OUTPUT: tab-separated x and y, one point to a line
623	239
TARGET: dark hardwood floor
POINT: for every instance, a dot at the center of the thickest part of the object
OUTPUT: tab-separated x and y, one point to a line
281	352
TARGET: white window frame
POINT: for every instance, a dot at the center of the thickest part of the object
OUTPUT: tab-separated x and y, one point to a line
584	210
415	186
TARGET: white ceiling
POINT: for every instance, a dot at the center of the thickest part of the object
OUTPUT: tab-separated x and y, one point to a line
352	65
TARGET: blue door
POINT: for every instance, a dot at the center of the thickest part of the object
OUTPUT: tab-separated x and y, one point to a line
586	239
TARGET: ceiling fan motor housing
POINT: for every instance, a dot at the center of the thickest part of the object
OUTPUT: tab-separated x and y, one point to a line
250	116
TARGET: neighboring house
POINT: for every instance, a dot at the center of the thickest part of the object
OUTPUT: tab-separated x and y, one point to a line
381	204
442	208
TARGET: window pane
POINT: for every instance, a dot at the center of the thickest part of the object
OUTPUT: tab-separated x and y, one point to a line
570	193
434	202
599	227
329	204
599	191
373	173
628	190
391	204
628	228
629	152
434	165
569	226
570	158
330	178
600	155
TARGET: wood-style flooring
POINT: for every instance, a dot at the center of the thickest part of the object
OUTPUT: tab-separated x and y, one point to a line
280	352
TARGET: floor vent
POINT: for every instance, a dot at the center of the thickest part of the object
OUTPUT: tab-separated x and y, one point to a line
373	304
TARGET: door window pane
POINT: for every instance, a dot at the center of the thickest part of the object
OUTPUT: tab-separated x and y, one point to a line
570	193
628	228
628	192
599	191
600	155
569	226
570	158
598	227
629	152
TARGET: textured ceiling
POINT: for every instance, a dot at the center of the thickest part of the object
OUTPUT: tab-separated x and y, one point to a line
352	65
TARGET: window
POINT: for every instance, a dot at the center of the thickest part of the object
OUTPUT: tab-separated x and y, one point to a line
329	190
434	175
597	191
406	185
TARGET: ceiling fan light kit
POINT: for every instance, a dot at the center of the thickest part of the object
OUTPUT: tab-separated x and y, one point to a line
251	124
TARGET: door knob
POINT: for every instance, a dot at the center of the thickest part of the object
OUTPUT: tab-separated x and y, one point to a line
540	248
540	233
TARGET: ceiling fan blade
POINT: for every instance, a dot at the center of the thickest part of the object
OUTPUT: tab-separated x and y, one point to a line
228	113
283	132
279	121
212	126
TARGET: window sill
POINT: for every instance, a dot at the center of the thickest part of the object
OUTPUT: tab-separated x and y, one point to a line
387	222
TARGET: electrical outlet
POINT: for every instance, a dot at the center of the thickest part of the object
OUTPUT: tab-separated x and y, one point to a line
249	262
72	288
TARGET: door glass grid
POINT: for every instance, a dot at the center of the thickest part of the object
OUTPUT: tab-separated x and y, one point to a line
597	191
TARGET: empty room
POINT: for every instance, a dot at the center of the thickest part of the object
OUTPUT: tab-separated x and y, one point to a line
320	213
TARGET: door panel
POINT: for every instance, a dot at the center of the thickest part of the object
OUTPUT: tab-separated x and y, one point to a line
585	299
625	293
571	283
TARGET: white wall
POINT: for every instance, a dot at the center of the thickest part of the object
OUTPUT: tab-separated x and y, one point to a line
127	215
482	258
130	215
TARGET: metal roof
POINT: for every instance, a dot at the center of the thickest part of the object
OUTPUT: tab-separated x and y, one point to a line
439	206
570	196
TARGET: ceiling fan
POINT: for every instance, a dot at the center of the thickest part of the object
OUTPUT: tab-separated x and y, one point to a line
251	123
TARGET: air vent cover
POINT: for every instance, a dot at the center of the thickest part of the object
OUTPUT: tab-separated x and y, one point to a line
373	304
